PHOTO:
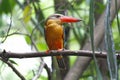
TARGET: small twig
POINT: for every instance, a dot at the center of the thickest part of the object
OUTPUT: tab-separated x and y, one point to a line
48	71
8	28
18	33
39	71
32	41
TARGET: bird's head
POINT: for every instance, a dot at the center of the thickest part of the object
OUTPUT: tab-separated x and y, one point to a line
60	19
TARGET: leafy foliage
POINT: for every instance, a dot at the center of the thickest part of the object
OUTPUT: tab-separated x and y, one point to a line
27	13
6	6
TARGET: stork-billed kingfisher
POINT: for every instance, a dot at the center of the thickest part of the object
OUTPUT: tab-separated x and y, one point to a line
54	34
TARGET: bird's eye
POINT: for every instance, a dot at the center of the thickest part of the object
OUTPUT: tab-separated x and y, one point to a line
57	16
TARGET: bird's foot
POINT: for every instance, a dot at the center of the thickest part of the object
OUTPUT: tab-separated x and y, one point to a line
47	52
60	49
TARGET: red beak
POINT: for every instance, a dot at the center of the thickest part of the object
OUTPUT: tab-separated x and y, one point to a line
69	19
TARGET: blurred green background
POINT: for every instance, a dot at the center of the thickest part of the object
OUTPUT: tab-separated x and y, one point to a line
22	30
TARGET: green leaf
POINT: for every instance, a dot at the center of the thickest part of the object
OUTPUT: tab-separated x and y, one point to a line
6	6
111	57
43	78
92	24
72	60
28	40
41	46
27	12
13	62
101	8
116	9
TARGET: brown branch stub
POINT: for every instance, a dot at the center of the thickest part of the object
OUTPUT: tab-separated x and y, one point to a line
6	55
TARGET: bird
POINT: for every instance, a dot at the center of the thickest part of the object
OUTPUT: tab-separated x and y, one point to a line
54	34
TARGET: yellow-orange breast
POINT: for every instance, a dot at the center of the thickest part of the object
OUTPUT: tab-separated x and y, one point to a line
54	36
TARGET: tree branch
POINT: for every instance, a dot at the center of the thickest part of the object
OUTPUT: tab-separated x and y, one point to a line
6	55
86	53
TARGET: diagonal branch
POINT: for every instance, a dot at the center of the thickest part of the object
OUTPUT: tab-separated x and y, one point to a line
14	69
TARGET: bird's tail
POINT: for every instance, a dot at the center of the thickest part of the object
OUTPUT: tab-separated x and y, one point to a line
61	62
